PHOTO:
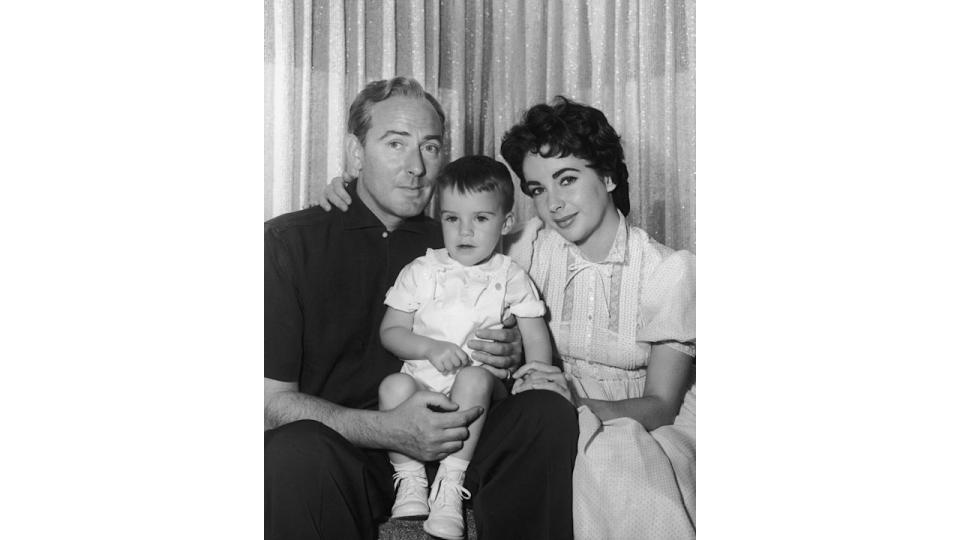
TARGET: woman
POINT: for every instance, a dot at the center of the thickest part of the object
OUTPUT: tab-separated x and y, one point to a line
621	310
622	315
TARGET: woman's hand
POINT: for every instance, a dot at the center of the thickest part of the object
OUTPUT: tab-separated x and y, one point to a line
537	376
335	194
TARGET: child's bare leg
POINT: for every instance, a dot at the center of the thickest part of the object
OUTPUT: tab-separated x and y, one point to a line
410	478
474	386
394	390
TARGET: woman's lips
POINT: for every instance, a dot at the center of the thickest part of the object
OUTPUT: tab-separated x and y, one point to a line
564	222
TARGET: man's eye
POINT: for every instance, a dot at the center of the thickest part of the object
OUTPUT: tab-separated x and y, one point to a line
432	148
396	145
482	219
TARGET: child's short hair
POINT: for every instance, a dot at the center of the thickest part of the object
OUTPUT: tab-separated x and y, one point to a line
477	174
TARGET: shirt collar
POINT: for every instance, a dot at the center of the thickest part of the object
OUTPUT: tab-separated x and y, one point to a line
359	216
442	257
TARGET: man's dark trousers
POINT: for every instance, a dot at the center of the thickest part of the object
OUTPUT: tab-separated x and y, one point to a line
318	485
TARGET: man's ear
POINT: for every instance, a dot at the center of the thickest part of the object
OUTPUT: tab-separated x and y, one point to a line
354	162
608	183
507	224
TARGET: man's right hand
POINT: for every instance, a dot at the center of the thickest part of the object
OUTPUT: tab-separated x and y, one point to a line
428	426
335	194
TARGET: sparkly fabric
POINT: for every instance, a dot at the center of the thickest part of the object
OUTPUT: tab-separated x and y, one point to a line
486	62
628	483
450	302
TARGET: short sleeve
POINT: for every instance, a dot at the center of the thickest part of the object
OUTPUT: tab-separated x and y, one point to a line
522	298
668	304
414	285
283	318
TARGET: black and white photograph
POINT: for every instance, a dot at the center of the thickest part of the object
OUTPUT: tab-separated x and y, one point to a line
467	246
480	276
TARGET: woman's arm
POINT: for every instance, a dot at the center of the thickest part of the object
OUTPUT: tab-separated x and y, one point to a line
668	372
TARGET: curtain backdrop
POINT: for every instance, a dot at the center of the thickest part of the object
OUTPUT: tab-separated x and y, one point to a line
487	61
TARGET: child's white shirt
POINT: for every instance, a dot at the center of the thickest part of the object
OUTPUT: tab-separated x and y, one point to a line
450	302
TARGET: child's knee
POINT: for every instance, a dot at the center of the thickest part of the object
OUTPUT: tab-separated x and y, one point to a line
395	389
475	378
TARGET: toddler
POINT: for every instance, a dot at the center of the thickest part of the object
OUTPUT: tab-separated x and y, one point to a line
437	303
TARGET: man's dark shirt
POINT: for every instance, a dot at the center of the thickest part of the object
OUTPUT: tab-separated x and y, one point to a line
326	275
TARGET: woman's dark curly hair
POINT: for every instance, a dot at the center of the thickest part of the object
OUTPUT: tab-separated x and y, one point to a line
563	128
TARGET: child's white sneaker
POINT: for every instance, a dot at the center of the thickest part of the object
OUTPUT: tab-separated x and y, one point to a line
411	501
446	505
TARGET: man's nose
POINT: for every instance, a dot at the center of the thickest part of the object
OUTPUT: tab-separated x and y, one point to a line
415	163
466	228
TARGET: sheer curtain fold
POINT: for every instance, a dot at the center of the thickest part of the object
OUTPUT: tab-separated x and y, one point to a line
487	61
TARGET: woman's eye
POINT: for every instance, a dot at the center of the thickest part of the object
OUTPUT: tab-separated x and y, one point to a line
534	191
567	180
450	219
482	219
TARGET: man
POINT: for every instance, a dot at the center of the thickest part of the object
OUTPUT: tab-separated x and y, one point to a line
326	274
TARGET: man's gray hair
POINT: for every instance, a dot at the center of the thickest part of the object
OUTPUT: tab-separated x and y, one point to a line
358	123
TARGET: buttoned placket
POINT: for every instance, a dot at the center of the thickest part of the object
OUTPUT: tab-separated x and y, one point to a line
386	252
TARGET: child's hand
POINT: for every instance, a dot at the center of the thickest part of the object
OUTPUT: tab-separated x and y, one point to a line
447	357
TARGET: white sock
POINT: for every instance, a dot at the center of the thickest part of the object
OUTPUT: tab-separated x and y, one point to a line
413	466
454	465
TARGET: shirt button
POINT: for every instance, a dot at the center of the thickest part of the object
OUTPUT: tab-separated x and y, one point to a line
384	234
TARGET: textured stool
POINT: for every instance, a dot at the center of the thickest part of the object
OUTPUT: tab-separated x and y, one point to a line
398	529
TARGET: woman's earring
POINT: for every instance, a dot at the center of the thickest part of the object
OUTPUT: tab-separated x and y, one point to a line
609	184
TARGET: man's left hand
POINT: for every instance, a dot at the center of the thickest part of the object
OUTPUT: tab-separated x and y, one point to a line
503	353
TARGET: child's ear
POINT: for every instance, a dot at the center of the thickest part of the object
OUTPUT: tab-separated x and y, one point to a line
608	183
507	224
354	162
